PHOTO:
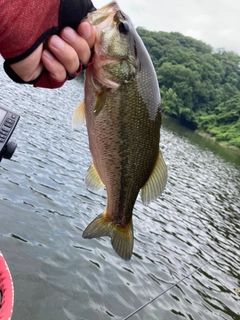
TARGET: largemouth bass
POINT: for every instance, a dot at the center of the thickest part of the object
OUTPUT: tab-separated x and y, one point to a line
122	106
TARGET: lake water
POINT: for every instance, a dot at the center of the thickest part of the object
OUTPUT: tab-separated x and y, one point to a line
45	206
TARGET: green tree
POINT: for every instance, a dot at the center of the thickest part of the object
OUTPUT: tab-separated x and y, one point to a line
200	86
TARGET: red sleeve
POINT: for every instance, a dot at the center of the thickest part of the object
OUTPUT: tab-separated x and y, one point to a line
23	22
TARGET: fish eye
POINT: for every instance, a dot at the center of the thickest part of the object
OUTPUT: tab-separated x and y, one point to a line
123	27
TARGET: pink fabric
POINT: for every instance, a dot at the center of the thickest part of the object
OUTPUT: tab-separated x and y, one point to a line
46	81
7	290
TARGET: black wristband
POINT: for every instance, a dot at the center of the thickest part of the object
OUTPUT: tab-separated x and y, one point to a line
73	11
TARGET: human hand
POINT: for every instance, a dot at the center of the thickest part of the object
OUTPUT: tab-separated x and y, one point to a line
41	49
59	55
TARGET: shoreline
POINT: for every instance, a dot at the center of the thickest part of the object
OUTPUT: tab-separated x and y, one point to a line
221	144
206	136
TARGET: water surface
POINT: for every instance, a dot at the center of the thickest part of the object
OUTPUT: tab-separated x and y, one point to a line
45	206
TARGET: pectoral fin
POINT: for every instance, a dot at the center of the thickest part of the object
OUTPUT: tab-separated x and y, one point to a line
93	180
100	101
78	115
122	237
156	182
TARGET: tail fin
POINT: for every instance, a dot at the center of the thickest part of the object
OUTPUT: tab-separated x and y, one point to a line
121	237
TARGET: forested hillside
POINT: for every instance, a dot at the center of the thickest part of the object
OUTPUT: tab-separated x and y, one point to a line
199	87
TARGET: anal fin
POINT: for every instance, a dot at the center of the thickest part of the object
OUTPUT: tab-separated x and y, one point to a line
93	180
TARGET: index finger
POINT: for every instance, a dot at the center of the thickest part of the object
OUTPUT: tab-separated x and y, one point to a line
86	31
77	43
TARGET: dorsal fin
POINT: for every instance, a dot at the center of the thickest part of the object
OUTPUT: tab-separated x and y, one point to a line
156	182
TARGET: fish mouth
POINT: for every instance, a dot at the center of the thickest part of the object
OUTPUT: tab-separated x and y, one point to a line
99	16
111	12
110	7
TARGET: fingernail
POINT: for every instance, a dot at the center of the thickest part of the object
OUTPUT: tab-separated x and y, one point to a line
57	42
85	30
69	34
48	55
